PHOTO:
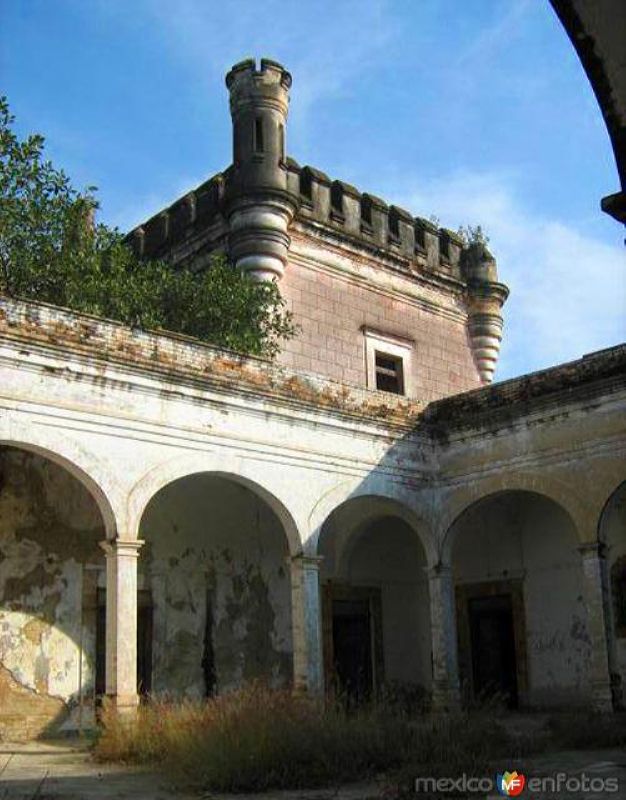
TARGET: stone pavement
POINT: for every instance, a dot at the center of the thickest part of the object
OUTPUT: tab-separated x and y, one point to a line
64	770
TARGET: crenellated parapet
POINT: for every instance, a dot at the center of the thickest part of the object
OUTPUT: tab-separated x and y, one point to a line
365	217
189	216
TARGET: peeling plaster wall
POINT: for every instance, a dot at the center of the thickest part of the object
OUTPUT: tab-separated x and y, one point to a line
212	545
387	554
613	534
50	527
518	535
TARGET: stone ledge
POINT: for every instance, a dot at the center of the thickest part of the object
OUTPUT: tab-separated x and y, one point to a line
183	358
595	373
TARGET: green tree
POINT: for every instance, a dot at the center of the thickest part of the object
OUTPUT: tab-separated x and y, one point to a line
52	250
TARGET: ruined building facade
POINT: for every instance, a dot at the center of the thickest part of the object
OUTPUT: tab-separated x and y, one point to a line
366	512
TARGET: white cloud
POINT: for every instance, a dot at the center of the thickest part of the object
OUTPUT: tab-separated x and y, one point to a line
568	289
325	44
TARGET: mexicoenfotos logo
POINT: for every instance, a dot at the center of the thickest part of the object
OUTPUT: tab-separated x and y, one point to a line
510	784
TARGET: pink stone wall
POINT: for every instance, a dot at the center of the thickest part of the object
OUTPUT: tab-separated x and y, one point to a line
331	311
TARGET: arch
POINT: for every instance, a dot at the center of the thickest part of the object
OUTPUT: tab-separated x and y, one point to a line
384	507
550	488
267	484
374	488
54	515
78	462
508	550
375	595
606	507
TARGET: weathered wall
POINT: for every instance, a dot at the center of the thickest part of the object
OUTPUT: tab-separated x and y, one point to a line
613	535
388	554
49	557
520	535
331	310
363	546
215	561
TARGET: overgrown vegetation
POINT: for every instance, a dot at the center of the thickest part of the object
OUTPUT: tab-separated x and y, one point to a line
52	250
584	730
258	738
473	234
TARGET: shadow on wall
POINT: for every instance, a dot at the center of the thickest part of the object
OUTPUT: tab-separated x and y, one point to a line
215	564
214	594
50	564
520	618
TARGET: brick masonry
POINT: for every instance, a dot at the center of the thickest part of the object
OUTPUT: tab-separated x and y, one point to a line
332	311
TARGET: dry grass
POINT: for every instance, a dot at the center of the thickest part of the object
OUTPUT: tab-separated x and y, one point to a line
256	739
585	730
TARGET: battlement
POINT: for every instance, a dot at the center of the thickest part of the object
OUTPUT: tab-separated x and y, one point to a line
366	217
190	214
270	72
323	201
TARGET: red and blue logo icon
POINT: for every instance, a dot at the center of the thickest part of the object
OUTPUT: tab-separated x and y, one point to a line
510	784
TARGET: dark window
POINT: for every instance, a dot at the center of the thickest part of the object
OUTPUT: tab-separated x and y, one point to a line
366	210
258	135
618	590
394	225
281	139
336	198
236	142
306	184
389	373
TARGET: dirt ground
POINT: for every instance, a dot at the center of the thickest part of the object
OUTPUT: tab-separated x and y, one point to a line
64	769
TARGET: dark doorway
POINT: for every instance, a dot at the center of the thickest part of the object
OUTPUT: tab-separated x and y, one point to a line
352	649
494	668
144	643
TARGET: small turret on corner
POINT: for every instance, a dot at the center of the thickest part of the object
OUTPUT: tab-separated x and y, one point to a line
485	297
258	204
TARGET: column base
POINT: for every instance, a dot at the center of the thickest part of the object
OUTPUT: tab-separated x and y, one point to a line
445	698
123	704
602	698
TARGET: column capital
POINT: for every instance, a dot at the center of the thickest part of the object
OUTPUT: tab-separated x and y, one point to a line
306	561
439	570
122	547
591	549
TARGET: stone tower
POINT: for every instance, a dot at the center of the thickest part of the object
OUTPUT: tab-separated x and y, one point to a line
485	298
258	205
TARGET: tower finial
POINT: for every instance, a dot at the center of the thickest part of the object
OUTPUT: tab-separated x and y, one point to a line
485	300
259	205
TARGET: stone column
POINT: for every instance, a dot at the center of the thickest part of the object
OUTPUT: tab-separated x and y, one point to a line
308	669
596	596
121	623
446	694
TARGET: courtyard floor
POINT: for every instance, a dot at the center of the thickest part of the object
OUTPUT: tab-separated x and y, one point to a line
65	769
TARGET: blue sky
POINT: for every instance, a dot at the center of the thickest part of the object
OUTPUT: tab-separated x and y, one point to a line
477	112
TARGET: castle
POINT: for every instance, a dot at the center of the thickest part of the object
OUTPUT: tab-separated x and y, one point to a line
366	512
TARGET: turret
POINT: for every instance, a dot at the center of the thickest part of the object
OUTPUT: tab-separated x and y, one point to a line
485	299
259	205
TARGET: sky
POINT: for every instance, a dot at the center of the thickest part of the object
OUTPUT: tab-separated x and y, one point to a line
473	111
